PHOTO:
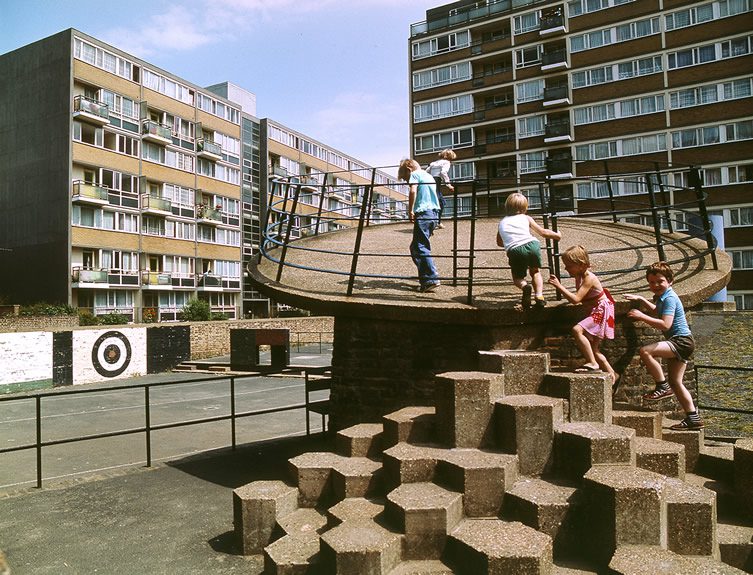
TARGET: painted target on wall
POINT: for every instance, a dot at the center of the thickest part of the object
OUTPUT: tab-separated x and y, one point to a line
111	354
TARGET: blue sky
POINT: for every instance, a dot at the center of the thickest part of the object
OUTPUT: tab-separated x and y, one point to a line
332	69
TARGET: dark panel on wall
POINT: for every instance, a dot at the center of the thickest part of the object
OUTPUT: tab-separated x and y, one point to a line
62	358
166	347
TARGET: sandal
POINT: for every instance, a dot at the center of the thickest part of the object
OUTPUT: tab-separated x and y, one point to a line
585	368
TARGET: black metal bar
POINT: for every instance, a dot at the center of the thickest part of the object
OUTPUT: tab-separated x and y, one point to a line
291	219
455	237
472	241
232	411
321	205
38	408
373	180
359	234
655	218
610	192
694	179
147	427
664	199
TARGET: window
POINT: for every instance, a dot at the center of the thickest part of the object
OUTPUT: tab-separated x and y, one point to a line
532	126
694	96
621	109
695	137
528	56
168	87
741	259
690	16
592	77
742	300
526	22
732	7
443	108
591	40
739	131
105	60
741	216
640	67
435	142
529	91
532	162
462	171
441	44
742	173
738	88
440	76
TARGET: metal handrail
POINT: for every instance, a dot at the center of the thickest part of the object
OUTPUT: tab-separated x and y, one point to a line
148	427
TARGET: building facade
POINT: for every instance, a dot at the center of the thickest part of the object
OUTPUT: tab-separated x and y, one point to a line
548	91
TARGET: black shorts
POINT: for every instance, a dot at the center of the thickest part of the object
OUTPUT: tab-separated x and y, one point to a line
682	346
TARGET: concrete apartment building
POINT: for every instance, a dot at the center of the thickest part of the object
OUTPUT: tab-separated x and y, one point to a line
124	188
548	90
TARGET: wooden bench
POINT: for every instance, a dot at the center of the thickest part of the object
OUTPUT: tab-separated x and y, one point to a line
317	379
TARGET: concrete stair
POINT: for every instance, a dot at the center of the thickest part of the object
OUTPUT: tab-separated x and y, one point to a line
514	470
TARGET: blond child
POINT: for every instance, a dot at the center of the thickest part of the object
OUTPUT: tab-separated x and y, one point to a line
667	314
599	325
440	170
523	250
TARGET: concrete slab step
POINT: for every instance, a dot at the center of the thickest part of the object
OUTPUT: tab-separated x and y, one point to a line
312	473
304	523
499	547
425	513
653	560
579	446
552	507
257	506
645	423
624	507
523	370
410	425
354	509
362	440
359	547
664	457
407	463
717	461
573	568
464	407
726	501
422	567
482	477
692	440
291	555
736	545
691	519
589	395
524	425
743	466
356	477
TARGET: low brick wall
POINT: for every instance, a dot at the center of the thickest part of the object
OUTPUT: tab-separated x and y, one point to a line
19	323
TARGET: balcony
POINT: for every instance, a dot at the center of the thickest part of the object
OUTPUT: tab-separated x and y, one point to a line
462	16
554	60
152	131
556	95
88	193
156	205
279	172
552	24
83	275
207	215
557	131
91	111
558	168
208	149
156	279
210	282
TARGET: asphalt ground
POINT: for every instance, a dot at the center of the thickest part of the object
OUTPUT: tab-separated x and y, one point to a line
101	510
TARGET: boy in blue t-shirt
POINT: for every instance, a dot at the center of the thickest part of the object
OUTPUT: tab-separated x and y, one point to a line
667	315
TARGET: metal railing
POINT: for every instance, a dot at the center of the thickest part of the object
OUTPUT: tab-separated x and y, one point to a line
286	225
148	427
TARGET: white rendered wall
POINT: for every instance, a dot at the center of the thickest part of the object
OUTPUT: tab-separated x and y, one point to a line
25	357
106	354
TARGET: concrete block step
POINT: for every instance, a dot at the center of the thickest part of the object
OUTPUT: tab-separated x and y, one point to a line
410	425
426	513
579	446
624	506
464	407
552	507
304	523
743	467
691	519
717	460
645	423
356	477
499	547
257	506
482	477
354	509
692	440
726	501
422	567
291	555
362	440
312	473
736	545
653	560
523	370
589	395
664	457
524	424
360	547
407	463
562	567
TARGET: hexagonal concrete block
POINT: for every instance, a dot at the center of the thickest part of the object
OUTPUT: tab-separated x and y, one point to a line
664	457
645	423
312	473
691	519
410	425
359	547
256	509
523	370
589	395
578	446
743	469
362	440
356	477
406	463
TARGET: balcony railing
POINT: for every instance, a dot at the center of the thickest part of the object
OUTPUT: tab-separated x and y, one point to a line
90	193
155	203
559	166
204	212
209	149
88	109
209	280
157	132
554	58
556	93
557	129
88	275
156	278
467	15
552	22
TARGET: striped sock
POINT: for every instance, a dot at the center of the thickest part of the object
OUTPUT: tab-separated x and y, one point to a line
694	416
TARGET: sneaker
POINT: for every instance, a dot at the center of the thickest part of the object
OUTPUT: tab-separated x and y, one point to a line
526	300
430	288
539	302
440	227
659	393
687	424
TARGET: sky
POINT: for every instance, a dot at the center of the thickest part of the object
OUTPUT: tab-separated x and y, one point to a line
335	70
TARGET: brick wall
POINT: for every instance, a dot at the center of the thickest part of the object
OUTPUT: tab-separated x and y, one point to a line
37	323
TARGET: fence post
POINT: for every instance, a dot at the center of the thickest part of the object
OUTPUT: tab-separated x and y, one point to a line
455	236
694	179
321	205
232	411
291	219
472	240
610	192
655	218
148	427
663	192
359	234
38	406
373	179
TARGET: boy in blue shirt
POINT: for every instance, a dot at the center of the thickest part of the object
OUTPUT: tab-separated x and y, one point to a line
667	315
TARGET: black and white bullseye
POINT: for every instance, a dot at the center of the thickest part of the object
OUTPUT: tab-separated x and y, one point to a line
111	354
